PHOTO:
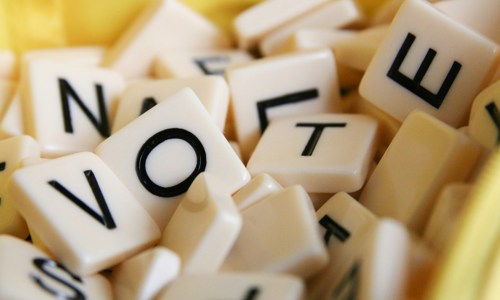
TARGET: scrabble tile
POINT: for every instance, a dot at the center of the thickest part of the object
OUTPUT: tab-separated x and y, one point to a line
197	63
12	123
7	91
344	222
12	151
90	56
68	109
253	24
404	187
244	286
484	120
259	95
236	148
144	275
204	226
139	97
28	273
445	215
8	65
162	151
81	211
261	186
279	234
325	153
417	69
181	28
333	14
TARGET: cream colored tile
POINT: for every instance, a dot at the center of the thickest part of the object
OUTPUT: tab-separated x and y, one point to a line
332	14
236	148
8	65
12	123
279	234
307	39
484	120
253	24
244	286
28	273
204	226
82	212
417	69
325	153
137	98
424	156
179	27
160	153
90	56
259	94
68	109
144	275
12	152
197	63
261	186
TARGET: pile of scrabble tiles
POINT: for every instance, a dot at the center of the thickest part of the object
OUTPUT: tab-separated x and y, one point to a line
320	154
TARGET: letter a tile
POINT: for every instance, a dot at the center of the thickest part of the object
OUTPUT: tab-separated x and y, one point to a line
81	212
438	71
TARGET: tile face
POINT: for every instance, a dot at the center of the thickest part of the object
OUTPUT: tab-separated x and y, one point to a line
259	94
81	212
84	56
28	273
68	109
159	154
279	234
182	29
204	227
241	286
325	153
197	63
417	69
12	152
144	275
139	97
404	187
261	186
484	120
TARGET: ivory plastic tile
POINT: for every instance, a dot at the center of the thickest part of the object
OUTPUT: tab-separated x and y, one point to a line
404	187
415	68
279	234
68	109
484	120
7	91
160	153
8	65
236	148
12	123
197	63
28	273
325	153
253	24
444	217
90	56
344	223
259	93
307	39
261	186
12	151
165	25
241	286
139	97
82	212
144	275
332	14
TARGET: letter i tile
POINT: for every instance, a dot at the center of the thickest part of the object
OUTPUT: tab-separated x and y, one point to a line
438	71
81	212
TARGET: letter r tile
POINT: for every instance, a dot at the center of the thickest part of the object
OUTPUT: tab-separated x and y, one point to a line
438	71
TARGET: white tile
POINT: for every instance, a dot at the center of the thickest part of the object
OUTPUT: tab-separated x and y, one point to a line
8	65
484	120
179	27
417	69
144	275
90	56
82	212
68	109
284	222
204	226
141	96
315	38
259	94
404	187
12	123
261	186
332	14
325	153
244	286
28	273
197	63
161	152
12	152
